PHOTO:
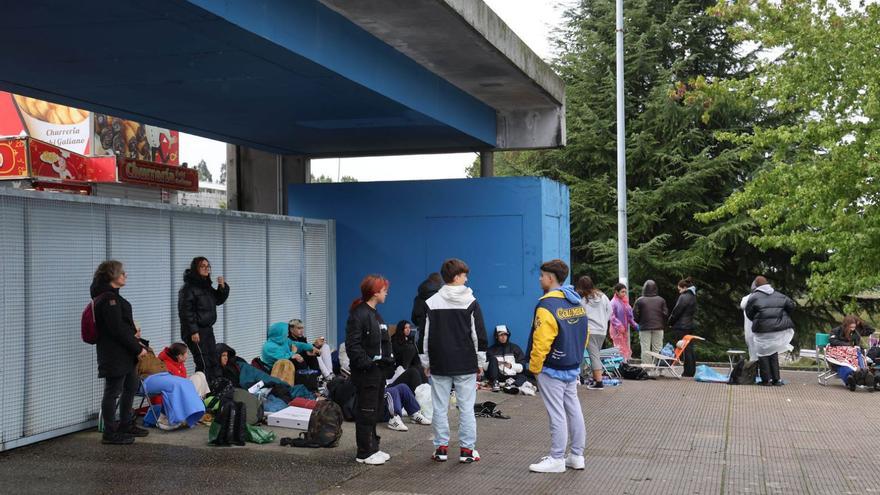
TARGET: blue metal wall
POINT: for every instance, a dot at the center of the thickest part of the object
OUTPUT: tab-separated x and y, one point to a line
502	227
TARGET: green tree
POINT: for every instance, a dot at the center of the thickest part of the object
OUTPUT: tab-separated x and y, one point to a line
204	172
676	165
222	179
321	179
817	194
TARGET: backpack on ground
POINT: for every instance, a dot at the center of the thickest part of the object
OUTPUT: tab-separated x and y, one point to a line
89	322
860	378
630	372
325	427
736	372
252	403
744	373
229	426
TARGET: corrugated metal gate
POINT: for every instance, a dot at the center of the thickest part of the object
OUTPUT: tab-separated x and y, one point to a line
277	267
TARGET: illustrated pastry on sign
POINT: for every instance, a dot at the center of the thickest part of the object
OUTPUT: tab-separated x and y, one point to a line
123	137
50	112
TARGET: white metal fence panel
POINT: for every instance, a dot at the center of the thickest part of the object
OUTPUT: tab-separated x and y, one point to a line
64	244
12	318
51	245
285	271
246	263
317	263
141	239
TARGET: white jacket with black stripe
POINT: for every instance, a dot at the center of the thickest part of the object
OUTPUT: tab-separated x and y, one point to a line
455	339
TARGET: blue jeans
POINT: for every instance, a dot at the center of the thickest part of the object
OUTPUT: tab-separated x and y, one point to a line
465	395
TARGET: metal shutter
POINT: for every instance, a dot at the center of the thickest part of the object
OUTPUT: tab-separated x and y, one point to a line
246	308
317	251
66	242
141	239
12	318
192	235
285	274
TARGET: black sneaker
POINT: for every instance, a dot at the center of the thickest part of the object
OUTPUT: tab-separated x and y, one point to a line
134	431
595	386
441	454
114	438
496	387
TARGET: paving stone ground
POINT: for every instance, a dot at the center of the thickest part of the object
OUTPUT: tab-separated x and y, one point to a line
655	437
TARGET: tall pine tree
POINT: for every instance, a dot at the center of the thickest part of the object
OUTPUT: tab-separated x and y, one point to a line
676	167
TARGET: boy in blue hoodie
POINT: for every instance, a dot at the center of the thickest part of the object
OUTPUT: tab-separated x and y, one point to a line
556	349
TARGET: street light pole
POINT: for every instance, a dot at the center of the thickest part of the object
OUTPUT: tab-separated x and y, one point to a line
622	254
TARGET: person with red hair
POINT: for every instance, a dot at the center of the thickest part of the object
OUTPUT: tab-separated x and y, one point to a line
369	350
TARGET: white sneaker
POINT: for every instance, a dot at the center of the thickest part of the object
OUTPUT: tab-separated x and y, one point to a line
396	424
574	461
376	459
527	389
548	465
163	423
384	454
420	419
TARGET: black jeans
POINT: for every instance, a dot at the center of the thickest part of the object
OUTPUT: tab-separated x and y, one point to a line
769	368
118	394
204	354
370	386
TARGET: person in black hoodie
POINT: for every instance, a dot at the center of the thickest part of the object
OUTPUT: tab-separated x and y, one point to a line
406	354
681	321
420	308
197	303
372	362
511	355
650	313
118	351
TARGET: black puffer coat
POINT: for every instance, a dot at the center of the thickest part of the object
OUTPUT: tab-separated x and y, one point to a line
769	310
197	304
366	336
650	310
117	347
420	308
682	317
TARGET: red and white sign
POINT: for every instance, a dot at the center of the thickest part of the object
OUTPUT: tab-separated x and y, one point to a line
13	159
52	162
158	175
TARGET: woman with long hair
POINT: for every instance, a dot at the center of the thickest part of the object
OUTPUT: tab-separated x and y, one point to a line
372	362
621	320
598	319
197	303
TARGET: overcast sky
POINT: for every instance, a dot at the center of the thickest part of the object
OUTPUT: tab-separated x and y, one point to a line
531	20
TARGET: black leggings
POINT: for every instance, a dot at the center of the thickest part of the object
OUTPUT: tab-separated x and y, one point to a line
371	406
118	394
204	354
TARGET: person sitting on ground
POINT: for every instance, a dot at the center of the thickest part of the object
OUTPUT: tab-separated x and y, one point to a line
506	361
406	354
400	399
174	357
228	364
243	375
318	358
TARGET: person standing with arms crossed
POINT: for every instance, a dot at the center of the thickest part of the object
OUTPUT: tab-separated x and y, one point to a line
369	349
197	303
556	348
455	344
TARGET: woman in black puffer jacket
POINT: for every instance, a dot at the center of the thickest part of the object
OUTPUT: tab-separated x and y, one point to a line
681	321
197	304
772	327
118	351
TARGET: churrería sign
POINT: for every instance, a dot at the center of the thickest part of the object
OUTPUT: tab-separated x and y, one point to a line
158	175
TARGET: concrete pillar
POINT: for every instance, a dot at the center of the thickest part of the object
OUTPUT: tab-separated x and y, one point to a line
487	164
257	180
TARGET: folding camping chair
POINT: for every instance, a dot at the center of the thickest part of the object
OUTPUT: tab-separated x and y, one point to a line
670	362
611	360
824	370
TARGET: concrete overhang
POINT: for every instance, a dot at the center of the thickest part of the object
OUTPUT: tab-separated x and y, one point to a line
291	76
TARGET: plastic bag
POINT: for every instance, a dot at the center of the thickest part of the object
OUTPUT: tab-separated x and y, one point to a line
668	350
256	434
706	374
423	397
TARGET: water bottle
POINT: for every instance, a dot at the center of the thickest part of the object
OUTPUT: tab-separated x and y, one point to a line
611	382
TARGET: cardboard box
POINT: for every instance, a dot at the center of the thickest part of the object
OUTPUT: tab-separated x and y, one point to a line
291	417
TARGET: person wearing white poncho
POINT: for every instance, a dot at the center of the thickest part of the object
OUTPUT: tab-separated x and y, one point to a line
772	327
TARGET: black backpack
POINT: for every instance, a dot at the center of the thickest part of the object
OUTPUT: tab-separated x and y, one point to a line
629	372
325	427
743	373
344	393
231	425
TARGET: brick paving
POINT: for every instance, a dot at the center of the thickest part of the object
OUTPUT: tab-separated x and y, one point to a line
656	437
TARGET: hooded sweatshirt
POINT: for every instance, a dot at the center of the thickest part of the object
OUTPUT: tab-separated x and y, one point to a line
650	310
278	344
598	312
420	308
509	352
174	366
559	335
455	338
